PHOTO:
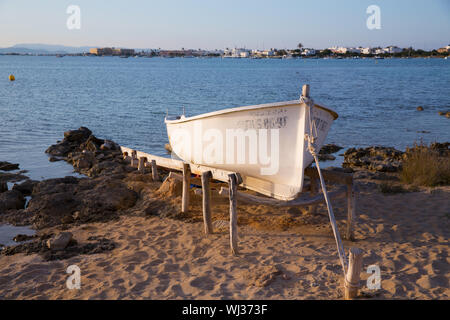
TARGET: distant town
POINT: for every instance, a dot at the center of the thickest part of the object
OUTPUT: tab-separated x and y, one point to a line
335	52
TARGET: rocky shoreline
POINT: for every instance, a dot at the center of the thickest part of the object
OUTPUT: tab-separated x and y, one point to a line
113	188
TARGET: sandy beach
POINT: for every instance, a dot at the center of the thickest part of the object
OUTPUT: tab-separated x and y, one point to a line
284	253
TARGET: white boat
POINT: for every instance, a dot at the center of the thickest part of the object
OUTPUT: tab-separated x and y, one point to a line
264	143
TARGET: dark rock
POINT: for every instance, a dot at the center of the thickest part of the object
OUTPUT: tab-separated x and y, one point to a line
55	159
329	149
105	167
12	177
72	141
11	199
368	175
7	166
109	145
27	248
60	241
16	217
92	144
56	185
55	201
26	187
80	135
59	150
3	186
23	237
87	153
83	164
326	157
72	249
385	159
344	170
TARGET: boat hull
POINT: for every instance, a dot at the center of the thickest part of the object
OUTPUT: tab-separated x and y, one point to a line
265	144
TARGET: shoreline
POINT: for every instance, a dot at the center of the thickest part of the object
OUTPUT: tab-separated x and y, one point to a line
138	245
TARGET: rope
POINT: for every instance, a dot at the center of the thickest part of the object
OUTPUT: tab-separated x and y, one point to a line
350	285
311	139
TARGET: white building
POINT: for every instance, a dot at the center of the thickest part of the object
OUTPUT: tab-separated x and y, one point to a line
392	49
244	54
237	53
336	49
268	53
354	50
309	52
378	51
366	50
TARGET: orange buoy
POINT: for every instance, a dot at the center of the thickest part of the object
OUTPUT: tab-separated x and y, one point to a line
11	77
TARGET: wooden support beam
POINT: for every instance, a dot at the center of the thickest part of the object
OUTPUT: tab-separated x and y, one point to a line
141	165
351	203
351	283
155	175
126	157
206	201
186	185
134	160
305	90
299	202
233	213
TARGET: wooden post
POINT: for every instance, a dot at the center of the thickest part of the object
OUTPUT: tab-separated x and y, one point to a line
126	157
313	192
232	184
305	91
206	201
134	161
186	185
349	235
155	175
351	281
141	165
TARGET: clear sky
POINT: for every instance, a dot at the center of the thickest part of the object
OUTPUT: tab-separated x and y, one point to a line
211	24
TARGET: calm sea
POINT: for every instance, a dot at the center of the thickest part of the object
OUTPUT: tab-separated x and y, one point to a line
125	100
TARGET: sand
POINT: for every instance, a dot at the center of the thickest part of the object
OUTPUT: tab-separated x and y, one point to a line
284	254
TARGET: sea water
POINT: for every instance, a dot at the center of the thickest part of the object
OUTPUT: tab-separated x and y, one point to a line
126	100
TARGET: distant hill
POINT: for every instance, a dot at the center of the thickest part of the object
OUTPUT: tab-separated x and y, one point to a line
37	48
